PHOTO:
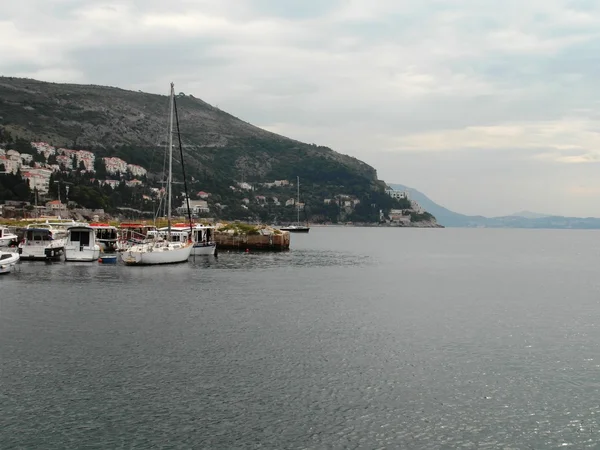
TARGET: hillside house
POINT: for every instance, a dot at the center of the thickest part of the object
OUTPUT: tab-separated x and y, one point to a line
203	195
398	195
196	207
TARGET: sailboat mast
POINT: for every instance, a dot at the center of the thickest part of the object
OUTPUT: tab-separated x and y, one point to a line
170	179
298	202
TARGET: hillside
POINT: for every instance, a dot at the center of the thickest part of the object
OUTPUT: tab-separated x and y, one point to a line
220	151
135	124
522	219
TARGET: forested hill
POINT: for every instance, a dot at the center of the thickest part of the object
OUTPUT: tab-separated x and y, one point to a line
132	124
220	150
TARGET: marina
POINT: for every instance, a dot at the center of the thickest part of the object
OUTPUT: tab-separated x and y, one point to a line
133	243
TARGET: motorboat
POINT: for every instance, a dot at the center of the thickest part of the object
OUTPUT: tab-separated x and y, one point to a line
8	261
7	238
81	244
202	237
106	236
40	244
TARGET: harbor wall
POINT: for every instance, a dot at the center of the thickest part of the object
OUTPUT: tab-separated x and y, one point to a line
243	242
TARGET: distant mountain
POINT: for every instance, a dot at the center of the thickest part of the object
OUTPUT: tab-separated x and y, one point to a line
530	215
443	215
522	219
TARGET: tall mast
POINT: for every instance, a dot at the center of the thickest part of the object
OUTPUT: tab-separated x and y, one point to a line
298	202
170	179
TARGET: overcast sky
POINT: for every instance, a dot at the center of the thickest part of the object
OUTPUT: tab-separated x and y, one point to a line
487	106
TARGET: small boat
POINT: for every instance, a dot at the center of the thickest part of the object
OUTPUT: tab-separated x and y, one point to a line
40	244
204	241
81	244
297	228
106	236
7	238
8	261
202	237
108	259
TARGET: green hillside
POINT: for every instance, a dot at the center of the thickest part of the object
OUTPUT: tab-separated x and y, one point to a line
219	149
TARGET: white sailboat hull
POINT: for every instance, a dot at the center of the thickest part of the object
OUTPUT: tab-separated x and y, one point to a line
8	261
76	253
156	253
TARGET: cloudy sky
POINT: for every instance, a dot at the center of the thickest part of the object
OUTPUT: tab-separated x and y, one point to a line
487	106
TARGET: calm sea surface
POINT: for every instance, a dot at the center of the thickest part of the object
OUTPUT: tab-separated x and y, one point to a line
357	338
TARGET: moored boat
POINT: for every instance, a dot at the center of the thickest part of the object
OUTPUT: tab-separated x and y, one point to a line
159	250
7	238
81	244
106	236
8	261
297	228
40	244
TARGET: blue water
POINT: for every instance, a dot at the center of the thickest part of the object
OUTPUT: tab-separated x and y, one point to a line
357	338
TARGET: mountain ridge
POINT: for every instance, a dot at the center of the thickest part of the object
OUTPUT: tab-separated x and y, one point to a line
451	219
219	150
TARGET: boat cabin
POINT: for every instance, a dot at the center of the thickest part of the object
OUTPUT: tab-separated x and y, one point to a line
134	232
106	235
82	236
37	236
177	234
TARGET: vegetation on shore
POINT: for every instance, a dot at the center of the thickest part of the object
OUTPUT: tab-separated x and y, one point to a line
219	151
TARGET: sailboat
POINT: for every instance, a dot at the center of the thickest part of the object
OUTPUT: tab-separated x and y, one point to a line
297	228
160	250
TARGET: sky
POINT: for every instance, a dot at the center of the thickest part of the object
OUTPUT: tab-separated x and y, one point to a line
487	107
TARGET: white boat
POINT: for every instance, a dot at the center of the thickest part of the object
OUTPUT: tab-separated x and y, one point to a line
7	238
58	227
81	244
297	228
40	244
8	261
202	237
106	236
157	250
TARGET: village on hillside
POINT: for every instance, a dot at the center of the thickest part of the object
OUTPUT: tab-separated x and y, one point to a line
45	161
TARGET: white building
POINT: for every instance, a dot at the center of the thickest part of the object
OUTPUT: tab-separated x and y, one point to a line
26	158
10	166
115	165
136	171
44	148
39	179
133	183
196	207
398	195
245	186
87	158
112	183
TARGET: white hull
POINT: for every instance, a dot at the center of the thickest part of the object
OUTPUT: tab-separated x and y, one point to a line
41	252
8	263
5	241
156	253
75	253
200	249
